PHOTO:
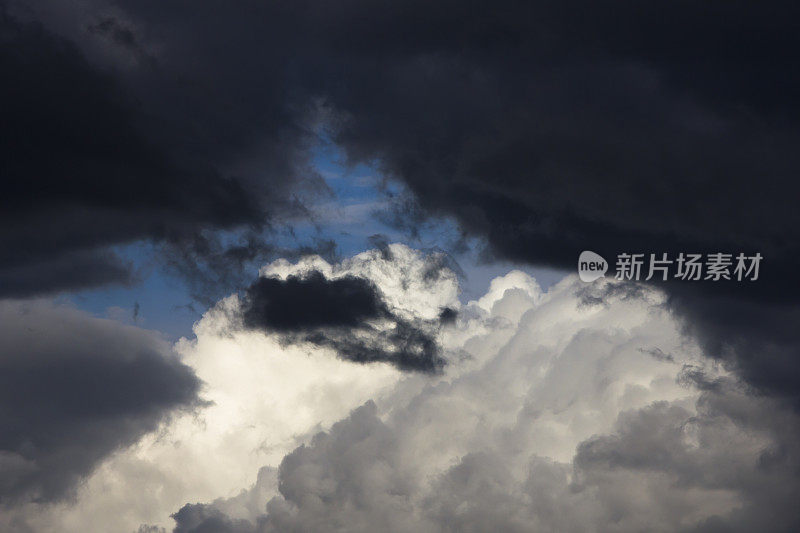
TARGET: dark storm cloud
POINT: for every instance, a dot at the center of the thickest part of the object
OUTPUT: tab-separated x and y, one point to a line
73	389
346	314
553	128
545	127
759	339
64	271
311	302
93	158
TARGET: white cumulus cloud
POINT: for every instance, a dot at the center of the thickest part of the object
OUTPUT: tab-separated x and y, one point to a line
577	409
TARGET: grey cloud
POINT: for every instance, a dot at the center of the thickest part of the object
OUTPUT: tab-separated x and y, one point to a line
734	444
347	314
569	425
74	389
664	468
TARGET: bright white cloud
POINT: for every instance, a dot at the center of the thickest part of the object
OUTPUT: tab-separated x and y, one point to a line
576	409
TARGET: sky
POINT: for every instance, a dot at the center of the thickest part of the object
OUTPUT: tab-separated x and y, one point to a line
319	266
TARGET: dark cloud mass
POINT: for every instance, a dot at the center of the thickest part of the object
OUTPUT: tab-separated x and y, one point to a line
545	127
550	128
314	301
347	314
91	159
73	389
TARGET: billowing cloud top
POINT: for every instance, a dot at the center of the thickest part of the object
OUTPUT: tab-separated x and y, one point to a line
574	409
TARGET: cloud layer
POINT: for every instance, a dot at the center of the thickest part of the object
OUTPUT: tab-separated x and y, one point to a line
74	389
564	416
544	128
583	408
